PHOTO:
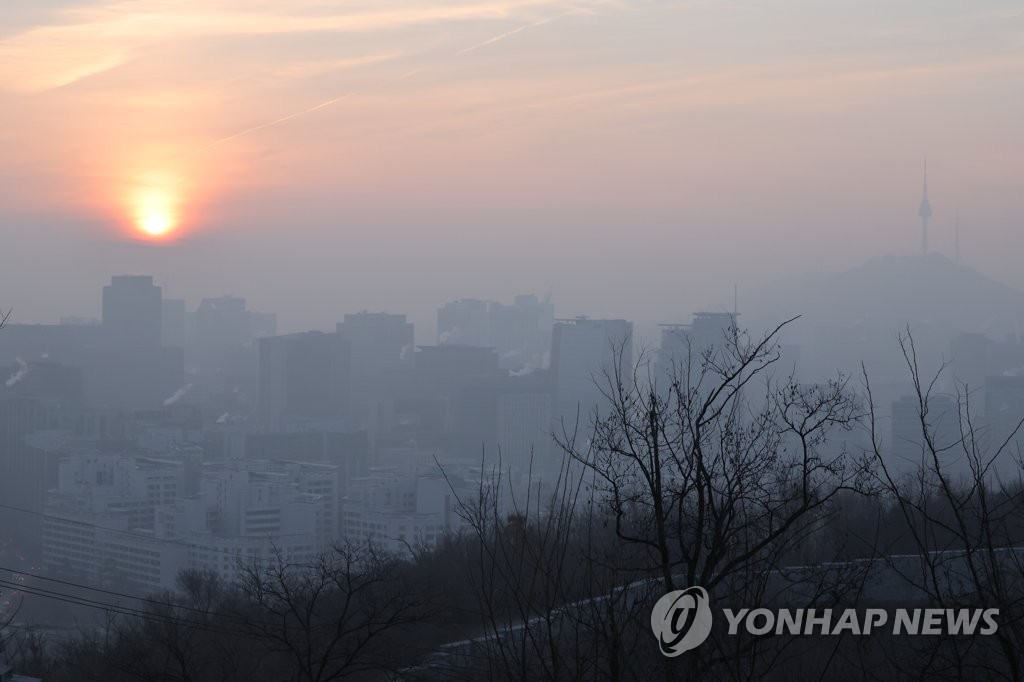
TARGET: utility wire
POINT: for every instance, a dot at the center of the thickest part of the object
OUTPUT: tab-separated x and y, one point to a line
142	536
149	600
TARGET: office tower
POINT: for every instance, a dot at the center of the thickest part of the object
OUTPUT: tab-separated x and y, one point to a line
683	344
304	378
444	370
523	423
172	322
24	471
520	333
132	311
464	322
908	446
1004	410
583	352
222	323
383	352
378	340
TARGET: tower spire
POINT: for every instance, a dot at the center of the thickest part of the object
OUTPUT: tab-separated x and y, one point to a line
925	211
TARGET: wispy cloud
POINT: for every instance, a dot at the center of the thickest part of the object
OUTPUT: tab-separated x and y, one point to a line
85	41
785	88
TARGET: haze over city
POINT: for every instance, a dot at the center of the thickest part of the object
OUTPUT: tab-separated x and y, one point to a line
497	146
511	340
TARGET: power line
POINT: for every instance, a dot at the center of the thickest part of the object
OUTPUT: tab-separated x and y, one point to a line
149	600
119	609
153	538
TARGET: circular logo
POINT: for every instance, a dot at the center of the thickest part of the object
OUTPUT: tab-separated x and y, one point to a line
681	620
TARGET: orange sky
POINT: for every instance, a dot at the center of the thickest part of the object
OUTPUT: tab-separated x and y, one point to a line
795	127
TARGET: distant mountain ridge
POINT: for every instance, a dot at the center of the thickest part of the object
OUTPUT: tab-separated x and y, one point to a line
890	292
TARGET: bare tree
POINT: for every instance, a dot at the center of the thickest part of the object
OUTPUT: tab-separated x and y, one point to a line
341	616
722	476
963	527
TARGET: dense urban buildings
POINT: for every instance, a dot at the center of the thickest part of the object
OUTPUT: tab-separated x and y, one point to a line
116	462
164	440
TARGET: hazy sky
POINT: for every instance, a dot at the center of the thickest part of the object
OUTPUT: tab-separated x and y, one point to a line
636	157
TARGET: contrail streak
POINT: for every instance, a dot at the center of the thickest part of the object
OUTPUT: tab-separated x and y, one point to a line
508	34
335	100
269	124
288	117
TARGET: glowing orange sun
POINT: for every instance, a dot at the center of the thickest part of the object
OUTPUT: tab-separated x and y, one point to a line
155	206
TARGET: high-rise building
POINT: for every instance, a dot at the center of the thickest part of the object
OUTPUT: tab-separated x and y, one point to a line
520	333
383	354
909	448
219	348
464	322
682	345
1004	411
378	340
506	417
584	354
24	475
222	323
524	410
444	370
172	322
132	311
304	378
132	378
131	367
56	383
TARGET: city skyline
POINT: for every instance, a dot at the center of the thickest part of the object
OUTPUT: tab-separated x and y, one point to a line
498	147
485	339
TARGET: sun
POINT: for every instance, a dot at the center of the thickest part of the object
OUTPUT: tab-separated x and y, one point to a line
156	221
155	206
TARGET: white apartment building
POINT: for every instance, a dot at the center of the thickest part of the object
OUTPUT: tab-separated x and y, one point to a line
119	520
399	511
96	521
